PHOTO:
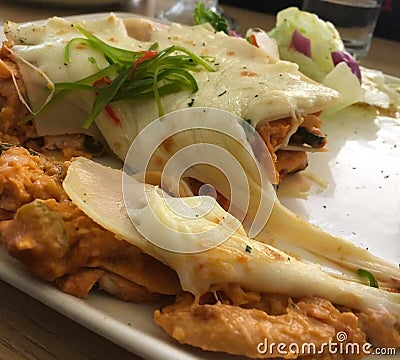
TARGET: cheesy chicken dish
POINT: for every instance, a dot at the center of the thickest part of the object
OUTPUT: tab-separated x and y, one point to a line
83	86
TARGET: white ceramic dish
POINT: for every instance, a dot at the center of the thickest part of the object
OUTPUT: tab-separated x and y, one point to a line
360	203
362	170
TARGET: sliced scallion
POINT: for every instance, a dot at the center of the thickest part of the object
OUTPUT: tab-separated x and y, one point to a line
369	276
134	75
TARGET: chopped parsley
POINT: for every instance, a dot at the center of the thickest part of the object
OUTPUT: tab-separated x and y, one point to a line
248	248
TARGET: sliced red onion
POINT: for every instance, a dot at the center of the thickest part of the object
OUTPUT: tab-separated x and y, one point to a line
339	56
301	43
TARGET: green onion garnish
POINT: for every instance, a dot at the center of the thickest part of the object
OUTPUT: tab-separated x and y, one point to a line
248	248
369	276
134	75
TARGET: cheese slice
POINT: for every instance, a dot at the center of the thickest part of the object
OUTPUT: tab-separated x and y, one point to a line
246	82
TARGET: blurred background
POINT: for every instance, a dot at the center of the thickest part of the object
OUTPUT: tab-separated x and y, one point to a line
388	25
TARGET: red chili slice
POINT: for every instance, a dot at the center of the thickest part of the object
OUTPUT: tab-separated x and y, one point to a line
102	81
147	55
252	39
109	110
111	113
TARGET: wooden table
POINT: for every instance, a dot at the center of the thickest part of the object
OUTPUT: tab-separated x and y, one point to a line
31	330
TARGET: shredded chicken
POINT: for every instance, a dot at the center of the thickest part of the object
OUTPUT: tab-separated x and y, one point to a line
240	322
13	111
274	133
24	178
58	242
53	238
237	330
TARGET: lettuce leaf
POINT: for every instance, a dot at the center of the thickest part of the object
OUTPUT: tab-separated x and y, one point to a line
320	67
323	35
346	83
202	15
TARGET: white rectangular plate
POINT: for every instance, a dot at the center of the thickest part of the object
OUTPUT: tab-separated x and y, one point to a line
361	203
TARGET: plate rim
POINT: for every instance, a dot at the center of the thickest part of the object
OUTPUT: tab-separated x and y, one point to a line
82	312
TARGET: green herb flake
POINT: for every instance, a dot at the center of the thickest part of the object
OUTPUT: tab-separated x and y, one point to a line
248	248
369	276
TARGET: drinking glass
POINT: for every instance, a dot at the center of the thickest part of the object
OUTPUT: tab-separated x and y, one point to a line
182	11
354	19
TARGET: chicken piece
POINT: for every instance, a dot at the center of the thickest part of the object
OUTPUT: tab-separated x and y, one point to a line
80	284
381	328
243	331
286	162
290	162
274	132
272	304
25	177
127	290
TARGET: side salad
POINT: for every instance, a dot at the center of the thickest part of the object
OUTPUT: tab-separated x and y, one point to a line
316	47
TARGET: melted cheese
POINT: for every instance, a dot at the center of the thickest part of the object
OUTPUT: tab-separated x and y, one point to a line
39	51
247	82
97	192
